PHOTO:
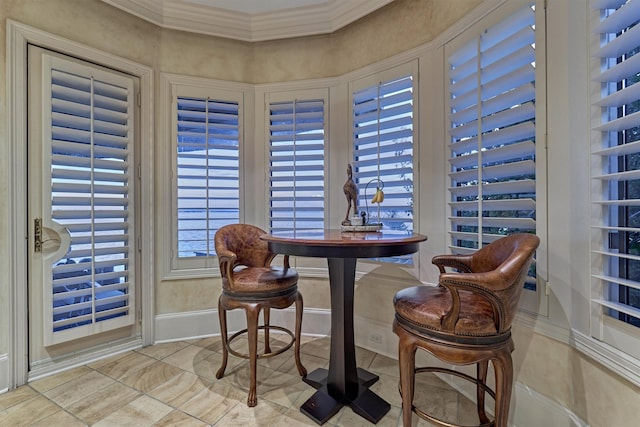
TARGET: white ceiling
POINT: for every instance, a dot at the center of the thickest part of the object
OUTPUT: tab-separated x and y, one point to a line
254	7
251	20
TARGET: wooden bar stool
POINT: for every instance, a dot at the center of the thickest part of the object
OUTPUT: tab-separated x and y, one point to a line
250	282
465	320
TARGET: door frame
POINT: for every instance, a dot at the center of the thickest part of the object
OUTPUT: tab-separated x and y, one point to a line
18	37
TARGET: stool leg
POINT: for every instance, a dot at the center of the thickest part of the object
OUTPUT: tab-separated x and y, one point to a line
407	360
296	349
222	315
503	367
267	322
482	368
253	313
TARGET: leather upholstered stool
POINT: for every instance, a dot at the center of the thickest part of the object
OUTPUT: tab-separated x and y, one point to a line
465	320
250	282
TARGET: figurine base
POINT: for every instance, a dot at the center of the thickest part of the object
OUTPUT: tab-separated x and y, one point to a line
368	227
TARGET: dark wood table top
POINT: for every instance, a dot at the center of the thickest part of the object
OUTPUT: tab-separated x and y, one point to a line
332	238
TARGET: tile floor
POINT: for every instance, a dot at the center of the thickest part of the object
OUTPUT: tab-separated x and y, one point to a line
174	384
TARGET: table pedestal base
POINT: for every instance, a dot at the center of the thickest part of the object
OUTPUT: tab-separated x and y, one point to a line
322	405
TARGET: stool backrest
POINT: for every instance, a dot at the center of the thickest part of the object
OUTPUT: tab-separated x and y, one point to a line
240	244
506	261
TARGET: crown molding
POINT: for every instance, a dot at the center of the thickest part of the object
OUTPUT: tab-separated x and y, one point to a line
150	10
321	18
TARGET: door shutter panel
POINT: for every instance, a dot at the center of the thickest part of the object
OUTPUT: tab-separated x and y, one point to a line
89	122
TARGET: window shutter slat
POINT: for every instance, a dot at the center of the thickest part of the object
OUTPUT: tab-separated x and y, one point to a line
619	71
488	205
630	175
507	152
509	170
622	18
607	4
628	95
75	174
519	132
496	121
90	124
84	162
621	124
621	45
506	28
503	101
516	78
61	133
505	135
510	56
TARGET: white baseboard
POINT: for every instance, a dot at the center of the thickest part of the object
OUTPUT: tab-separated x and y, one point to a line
204	323
316	322
188	325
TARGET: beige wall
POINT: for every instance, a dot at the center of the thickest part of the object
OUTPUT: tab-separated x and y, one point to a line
561	373
549	367
400	26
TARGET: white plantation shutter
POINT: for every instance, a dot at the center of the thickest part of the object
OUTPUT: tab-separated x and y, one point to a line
492	129
208	171
92	182
616	172
296	164
383	134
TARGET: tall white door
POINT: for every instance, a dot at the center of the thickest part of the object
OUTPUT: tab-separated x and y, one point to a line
81	205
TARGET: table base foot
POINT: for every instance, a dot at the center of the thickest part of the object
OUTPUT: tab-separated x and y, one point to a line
366	378
369	405
321	406
317	379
